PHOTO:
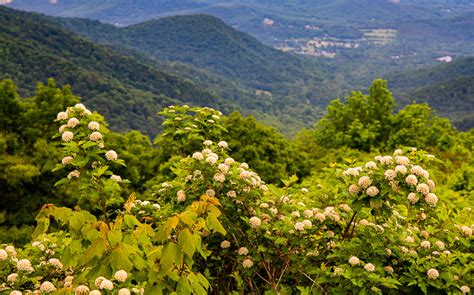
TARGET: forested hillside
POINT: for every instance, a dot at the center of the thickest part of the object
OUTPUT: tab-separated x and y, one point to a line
207	42
448	88
138	81
127	91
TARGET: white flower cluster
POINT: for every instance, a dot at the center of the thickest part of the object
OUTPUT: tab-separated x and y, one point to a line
111	155
352	171
395	172
47	287
139	204
225	244
121	275
181	196
24	265
353	260
432	274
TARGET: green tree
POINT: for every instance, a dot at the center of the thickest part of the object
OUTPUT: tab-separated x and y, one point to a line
362	122
10	107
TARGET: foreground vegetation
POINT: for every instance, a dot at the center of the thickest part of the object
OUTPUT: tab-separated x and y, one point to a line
367	201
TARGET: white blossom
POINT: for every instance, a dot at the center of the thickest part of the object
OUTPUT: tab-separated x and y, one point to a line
307	223
413	198
354	189
432	274
111	155
116	178
67	160
80	106
210	192
401	169
431	199
365	182
47	287
121	275
74	174
255	221
93	125
423	188
466	231
222	144
390	174
440	245
56	263
95	136
410	240
465	289
398	152
212	158
308	213
181	196
219	177
369	267
73	122
24	265
62	116
106	284
62	128
425	244
244	166
225	244
247	263
13	277
354	261
67	136
372	191
223	168
371	165
417	170
402	160
198	156
411	179
243	251
98	281
431	184
3	255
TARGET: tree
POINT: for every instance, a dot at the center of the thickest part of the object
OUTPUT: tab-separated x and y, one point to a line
362	122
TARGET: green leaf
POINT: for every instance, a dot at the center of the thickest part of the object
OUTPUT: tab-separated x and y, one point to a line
89	144
114	237
97	248
214	224
131	221
171	255
186	242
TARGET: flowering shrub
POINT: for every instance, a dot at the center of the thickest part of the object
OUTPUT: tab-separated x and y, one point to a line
216	226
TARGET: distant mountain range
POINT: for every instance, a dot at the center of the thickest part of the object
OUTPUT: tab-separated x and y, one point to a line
128	92
200	60
130	84
205	42
449	88
129	12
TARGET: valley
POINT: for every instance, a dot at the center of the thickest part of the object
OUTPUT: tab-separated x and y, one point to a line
330	47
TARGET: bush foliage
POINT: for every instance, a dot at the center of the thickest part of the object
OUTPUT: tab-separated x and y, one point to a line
190	216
